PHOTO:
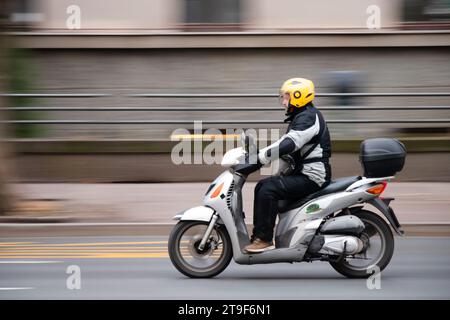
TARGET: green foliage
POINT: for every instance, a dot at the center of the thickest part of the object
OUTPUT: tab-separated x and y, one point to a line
21	75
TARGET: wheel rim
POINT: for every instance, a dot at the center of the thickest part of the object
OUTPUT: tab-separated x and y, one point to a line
194	259
375	246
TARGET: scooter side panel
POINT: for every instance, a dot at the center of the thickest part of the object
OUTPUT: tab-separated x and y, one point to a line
234	223
320	208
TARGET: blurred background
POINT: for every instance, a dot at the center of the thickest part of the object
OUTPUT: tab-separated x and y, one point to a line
91	91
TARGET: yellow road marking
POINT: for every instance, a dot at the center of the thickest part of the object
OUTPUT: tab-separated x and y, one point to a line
87	250
87	254
91	244
79	252
84	252
14	243
146	256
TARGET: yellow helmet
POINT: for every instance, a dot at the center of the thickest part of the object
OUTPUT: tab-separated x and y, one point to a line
301	91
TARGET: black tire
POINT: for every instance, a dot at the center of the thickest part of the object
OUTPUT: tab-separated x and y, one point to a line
385	231
184	268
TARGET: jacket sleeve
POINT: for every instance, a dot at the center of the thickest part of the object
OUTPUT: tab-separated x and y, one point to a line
276	150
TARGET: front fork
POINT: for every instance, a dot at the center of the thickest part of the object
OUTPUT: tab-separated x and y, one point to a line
208	231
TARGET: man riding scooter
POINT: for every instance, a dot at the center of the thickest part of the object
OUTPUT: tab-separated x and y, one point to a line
306	146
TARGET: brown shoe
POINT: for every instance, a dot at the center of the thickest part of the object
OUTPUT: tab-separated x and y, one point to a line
259	245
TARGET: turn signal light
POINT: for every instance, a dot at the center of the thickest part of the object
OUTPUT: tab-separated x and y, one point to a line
217	191
378	189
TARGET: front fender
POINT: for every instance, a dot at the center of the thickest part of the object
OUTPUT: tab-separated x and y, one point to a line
200	213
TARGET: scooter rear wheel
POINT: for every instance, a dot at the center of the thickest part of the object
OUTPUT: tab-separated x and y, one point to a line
375	227
192	262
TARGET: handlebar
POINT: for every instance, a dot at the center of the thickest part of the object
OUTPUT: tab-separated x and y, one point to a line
251	163
248	141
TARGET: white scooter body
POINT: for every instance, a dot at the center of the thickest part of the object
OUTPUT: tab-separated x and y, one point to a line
294	226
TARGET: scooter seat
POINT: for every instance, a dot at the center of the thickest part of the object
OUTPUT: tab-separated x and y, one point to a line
335	186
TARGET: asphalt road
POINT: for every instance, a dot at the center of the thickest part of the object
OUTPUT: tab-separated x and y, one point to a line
139	268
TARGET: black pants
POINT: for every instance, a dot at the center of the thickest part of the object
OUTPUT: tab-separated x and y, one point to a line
267	193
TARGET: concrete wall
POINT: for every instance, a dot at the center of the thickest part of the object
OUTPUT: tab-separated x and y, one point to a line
113	14
256	14
159	168
238	71
318	14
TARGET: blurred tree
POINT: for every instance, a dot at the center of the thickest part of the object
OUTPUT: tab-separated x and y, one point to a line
20	76
6	198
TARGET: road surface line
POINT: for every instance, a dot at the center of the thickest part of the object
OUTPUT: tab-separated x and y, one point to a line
28	262
90	257
84	224
8	253
23	288
87	249
78	249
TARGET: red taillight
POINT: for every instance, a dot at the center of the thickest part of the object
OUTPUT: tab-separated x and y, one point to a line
377	189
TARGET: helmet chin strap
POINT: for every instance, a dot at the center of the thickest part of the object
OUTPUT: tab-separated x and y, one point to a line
293	110
290	110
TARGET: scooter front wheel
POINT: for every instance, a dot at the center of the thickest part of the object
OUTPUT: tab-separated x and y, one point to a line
189	259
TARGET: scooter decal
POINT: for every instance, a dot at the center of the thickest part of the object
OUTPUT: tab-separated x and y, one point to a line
313	208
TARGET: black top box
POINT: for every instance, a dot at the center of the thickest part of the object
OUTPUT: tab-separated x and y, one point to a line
382	157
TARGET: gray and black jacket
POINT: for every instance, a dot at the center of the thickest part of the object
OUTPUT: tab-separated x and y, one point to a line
306	142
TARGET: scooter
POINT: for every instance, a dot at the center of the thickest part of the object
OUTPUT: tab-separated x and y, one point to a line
329	225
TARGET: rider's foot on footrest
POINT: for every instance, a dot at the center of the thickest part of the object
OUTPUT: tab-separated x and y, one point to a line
259	245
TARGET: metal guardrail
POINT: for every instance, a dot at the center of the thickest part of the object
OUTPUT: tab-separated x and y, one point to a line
274	95
171	109
221	33
55	95
214	121
219	95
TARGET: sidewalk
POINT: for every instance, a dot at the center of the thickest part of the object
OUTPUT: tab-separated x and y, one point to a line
416	203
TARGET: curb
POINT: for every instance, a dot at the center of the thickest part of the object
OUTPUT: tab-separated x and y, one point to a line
158	229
